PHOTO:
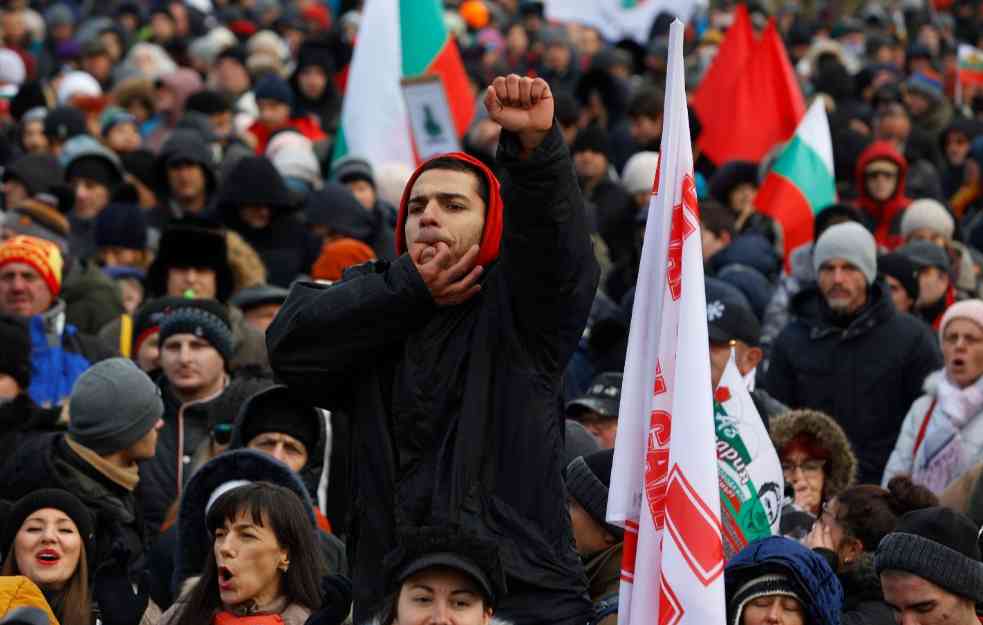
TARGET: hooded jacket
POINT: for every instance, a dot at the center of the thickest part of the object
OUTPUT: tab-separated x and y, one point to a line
334	206
452	407
285	245
327	107
841	469
886	215
865	373
183	145
182	82
242	464
822	592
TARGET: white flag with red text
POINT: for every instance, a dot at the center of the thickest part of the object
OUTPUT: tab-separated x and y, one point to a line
664	487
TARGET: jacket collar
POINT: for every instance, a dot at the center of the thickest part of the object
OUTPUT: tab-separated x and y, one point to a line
810	308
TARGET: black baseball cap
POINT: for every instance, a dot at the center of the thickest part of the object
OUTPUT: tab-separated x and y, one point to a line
452	561
603	395
729	315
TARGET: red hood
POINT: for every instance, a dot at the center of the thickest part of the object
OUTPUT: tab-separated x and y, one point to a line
884	213
491	237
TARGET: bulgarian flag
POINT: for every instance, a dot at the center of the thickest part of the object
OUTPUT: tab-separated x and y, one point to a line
801	182
970	65
398	39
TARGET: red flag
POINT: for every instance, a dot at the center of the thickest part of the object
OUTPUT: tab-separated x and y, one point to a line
761	110
712	99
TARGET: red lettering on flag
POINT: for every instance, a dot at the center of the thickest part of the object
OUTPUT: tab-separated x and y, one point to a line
660	386
681	228
694	528
658	170
657	465
670	609
628	552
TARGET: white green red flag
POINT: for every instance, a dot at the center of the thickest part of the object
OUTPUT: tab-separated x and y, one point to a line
970	61
801	181
664	487
398	39
750	473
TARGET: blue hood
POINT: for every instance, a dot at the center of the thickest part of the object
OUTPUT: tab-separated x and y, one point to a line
820	587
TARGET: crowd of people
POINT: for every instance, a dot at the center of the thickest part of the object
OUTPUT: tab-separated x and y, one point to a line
243	380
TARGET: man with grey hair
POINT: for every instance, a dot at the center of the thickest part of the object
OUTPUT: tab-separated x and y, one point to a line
849	352
930	568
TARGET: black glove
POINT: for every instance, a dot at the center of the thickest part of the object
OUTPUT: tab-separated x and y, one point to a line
336	601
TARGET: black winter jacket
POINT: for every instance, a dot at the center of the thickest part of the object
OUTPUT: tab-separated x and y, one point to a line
455	411
159	475
44	460
865	375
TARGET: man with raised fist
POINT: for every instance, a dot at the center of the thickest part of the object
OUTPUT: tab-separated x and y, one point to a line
449	359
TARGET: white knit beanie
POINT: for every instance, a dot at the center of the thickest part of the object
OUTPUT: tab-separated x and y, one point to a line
927	213
639	172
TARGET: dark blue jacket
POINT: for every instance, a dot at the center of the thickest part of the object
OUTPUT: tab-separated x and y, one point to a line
821	591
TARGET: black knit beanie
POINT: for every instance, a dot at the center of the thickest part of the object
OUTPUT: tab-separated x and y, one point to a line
275	410
203	318
593	138
937	544
94	168
15	350
762	586
588	480
49	498
121	225
900	267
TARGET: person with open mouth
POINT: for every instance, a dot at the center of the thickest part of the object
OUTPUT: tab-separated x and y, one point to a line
942	434
46	538
264	563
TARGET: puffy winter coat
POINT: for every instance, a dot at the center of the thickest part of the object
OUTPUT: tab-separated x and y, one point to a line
823	594
865	375
454	407
17	591
904	458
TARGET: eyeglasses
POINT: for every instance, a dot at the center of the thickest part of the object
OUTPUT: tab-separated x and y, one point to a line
222	433
808	467
879	173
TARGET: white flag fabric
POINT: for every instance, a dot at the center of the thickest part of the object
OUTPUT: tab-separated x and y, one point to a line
751	482
664	485
620	19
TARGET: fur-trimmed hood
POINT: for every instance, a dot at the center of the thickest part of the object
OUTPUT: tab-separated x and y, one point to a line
842	461
193	542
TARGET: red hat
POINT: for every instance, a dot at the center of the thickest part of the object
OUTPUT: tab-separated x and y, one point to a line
44	256
491	237
337	256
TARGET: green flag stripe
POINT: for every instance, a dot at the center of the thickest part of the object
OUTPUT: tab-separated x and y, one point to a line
804	169
421	33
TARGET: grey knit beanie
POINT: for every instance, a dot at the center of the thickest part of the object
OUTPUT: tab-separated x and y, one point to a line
851	242
113	405
588	480
939	545
930	214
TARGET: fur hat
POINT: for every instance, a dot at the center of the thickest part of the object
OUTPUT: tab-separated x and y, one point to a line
191	246
841	468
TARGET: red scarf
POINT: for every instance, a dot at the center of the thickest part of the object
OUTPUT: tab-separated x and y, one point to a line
228	618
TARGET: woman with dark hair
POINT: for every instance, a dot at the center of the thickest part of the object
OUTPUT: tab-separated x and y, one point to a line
847	534
440	575
264	561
